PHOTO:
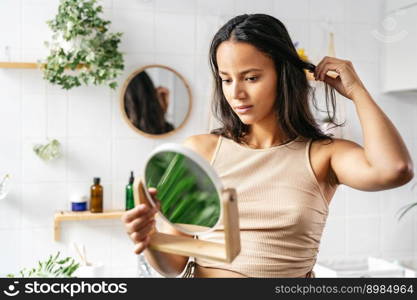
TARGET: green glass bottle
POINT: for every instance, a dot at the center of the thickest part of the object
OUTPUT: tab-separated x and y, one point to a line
130	202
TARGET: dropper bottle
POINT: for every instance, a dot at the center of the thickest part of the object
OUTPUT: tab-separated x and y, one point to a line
129	202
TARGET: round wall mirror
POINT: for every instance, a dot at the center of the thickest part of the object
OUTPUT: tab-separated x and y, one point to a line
155	101
187	186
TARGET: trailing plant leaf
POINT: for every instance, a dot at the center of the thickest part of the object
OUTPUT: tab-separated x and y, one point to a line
405	209
82	50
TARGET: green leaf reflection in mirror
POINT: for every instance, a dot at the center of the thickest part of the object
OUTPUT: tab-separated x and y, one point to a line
189	198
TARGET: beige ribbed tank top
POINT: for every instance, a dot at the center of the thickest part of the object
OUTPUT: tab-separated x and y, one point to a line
282	208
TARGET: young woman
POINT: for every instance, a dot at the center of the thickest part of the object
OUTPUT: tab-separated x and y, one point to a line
285	170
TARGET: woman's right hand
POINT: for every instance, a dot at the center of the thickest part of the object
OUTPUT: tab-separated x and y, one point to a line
140	223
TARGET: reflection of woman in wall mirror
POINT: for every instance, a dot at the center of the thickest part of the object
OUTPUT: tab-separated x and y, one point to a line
155	101
146	105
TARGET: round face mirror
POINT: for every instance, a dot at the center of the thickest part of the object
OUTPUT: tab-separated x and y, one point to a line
155	101
187	186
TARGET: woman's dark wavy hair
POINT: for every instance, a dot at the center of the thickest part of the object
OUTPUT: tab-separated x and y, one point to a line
294	116
142	106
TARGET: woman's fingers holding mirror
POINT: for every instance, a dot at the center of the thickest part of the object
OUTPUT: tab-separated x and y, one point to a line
143	233
140	222
142	245
135	212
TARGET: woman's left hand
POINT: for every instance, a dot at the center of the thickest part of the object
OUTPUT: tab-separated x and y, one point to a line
347	83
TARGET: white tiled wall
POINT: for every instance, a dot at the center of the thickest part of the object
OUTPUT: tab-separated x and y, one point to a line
96	142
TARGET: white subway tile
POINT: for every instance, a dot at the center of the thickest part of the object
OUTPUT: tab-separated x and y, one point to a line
57	115
364	11
130	155
137	28
119	194
11	24
206	28
360	203
34	115
338	203
142	5
40	201
41	244
393	200
363	236
10	85
175	34
34	19
11	206
9	258
293	10
320	38
88	158
299	32
333	241
215	7
52	4
178	6
121	243
10	116
11	157
323	10
32	82
96	239
37	170
361	44
89	117
397	235
254	7
107	4
182	64
368	72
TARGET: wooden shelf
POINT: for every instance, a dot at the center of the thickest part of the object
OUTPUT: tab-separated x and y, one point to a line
19	65
80	216
28	65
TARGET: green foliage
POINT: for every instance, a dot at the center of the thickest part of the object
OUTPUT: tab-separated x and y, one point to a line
186	194
82	51
50	151
53	267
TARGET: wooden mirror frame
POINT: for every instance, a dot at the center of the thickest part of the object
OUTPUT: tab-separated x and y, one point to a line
122	106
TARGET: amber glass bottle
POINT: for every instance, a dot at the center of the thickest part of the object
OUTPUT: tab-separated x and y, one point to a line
96	196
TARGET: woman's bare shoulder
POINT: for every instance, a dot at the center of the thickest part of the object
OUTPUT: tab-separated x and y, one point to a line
203	144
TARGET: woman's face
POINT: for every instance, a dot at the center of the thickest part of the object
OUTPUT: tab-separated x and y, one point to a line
249	81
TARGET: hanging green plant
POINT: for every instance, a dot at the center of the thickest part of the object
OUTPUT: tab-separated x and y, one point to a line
82	50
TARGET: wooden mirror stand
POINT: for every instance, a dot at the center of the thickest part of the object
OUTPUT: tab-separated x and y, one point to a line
188	246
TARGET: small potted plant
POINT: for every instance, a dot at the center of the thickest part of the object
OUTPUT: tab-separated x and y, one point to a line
53	267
